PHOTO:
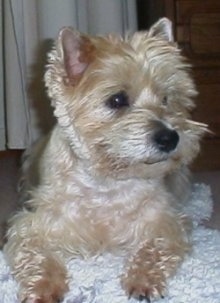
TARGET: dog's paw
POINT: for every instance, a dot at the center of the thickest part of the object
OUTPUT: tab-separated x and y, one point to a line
45	291
143	286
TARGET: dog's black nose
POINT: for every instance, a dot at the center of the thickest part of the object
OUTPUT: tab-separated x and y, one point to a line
166	139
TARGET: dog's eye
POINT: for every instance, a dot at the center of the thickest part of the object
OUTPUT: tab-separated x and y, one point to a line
118	100
164	100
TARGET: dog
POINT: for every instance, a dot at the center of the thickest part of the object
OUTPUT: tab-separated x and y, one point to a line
113	173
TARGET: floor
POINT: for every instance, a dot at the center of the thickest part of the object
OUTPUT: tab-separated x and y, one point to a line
9	173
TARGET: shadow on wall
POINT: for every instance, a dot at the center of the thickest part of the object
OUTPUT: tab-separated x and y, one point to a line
37	92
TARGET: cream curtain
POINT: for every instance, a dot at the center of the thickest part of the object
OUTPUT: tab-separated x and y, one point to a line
28	27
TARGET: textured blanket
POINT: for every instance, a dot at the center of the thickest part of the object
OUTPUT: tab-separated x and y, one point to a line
96	280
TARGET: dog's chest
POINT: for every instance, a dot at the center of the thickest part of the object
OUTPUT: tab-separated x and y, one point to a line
109	219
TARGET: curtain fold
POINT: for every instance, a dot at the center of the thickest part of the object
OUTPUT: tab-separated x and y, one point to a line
29	26
19	42
2	109
16	119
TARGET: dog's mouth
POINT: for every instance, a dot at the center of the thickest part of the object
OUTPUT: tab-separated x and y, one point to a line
173	157
152	161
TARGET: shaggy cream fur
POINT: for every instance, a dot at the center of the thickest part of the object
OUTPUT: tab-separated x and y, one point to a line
111	175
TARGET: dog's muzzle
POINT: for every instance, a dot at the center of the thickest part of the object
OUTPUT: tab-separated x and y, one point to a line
166	139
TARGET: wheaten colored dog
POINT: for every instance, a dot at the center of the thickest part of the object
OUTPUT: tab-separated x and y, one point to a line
113	171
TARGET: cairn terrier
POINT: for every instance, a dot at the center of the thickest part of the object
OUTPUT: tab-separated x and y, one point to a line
112	175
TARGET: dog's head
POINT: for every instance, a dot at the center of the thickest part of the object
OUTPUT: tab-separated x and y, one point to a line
124	102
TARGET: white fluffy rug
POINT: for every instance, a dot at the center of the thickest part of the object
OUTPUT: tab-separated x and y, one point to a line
96	280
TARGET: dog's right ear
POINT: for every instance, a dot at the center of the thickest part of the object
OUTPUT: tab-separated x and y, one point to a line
77	52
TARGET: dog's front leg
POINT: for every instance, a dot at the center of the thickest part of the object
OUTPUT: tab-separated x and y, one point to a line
38	269
157	258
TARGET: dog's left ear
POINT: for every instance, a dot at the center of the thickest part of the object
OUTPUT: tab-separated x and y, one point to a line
77	52
162	29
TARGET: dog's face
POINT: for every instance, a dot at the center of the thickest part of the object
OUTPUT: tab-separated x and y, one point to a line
123	102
